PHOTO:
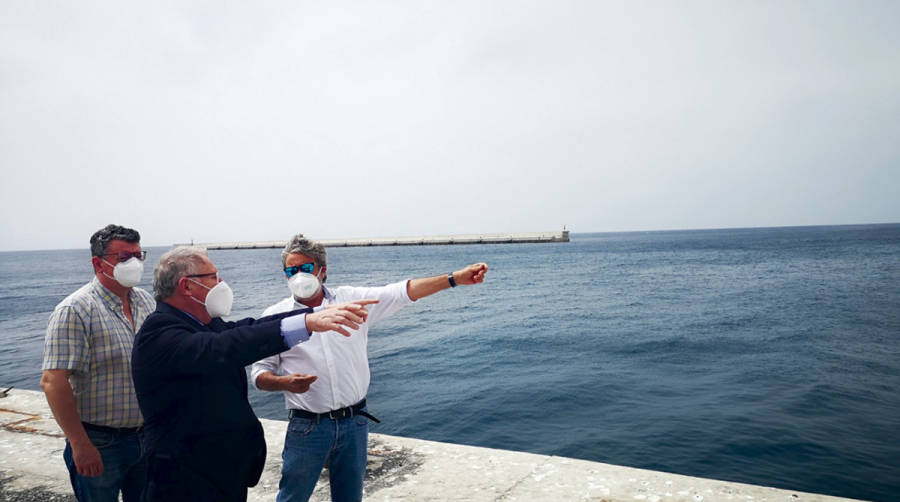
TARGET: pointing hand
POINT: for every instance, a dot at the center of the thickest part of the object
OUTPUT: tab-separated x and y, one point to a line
339	317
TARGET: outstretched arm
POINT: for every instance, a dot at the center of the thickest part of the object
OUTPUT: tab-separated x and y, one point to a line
339	316
426	286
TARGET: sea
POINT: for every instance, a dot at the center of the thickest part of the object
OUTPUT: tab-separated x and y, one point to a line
767	356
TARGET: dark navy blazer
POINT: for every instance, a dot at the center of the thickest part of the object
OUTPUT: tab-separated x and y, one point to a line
200	433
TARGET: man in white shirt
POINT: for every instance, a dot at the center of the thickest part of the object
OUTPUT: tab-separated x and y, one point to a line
329	421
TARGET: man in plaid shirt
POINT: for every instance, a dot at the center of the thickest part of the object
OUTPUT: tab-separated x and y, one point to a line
87	370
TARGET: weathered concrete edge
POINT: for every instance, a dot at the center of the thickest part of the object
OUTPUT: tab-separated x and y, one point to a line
399	469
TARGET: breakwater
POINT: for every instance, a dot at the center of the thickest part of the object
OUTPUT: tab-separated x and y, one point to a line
434	240
398	468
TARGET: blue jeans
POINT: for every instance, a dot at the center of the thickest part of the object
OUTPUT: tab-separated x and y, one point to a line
124	468
309	444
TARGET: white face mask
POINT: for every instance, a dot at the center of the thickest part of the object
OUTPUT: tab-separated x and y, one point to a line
218	300
304	285
127	273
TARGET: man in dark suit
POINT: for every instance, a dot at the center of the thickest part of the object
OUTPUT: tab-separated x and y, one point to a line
202	438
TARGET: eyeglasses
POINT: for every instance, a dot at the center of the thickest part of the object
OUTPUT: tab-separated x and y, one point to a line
211	274
127	255
306	268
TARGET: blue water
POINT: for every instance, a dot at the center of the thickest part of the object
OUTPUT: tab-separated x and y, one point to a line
764	356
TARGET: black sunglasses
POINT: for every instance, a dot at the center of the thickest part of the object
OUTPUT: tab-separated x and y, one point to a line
306	268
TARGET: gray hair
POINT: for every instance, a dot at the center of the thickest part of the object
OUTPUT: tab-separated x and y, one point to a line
175	264
101	238
301	245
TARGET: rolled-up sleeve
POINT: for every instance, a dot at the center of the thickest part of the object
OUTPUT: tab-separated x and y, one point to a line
270	364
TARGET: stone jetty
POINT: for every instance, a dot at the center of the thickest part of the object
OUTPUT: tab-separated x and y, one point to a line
434	240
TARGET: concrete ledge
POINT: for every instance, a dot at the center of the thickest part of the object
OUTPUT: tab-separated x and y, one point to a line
31	468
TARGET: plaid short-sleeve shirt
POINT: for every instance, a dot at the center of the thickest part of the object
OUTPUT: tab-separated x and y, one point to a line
89	334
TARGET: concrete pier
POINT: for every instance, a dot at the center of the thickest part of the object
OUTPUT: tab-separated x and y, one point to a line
31	468
499	238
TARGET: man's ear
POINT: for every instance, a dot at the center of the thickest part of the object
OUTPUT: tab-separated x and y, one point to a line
324	274
97	262
184	286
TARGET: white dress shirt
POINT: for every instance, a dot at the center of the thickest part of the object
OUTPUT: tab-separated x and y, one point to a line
341	363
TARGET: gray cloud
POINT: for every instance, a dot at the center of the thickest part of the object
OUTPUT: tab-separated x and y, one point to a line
238	122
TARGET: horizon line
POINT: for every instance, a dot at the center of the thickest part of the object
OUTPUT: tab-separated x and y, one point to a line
695	229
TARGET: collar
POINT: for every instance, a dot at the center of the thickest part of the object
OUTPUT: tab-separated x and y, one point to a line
192	317
167	308
328	296
106	295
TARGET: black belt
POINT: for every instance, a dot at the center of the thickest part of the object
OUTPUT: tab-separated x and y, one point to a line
349	411
105	428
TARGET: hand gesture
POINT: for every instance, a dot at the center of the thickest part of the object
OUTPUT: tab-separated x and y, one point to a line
297	383
473	274
356	306
339	317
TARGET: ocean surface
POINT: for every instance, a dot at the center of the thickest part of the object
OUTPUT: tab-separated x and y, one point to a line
768	356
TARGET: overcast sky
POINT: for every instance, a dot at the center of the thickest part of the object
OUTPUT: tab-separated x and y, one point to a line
221	121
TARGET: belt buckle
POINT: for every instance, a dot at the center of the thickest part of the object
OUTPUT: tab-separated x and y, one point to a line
341	413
